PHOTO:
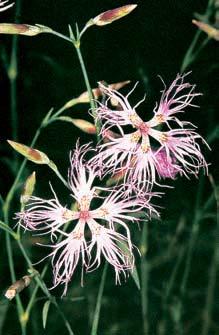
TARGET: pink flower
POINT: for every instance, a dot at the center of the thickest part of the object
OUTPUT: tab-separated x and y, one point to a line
147	152
174	100
166	167
45	216
91	233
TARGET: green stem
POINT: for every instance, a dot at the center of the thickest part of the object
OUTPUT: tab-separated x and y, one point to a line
76	44
99	301
19	305
89	90
212	273
86	80
191	55
6	228
64	37
194	234
144	279
33	296
41	284
188	58
67	324
55	169
12	75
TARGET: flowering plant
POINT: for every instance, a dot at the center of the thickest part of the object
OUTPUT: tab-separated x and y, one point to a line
115	184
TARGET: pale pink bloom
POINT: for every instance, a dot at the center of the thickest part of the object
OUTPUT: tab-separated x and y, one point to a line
90	232
174	100
166	167
67	253
109	243
45	216
4	6
146	152
182	145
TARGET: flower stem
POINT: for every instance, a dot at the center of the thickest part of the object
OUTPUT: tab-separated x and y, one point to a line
76	43
89	90
19	305
99	301
213	271
191	54
12	72
144	279
41	284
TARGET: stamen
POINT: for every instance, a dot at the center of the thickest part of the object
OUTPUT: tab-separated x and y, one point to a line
135	120
163	137
160	118
84	203
135	137
145	148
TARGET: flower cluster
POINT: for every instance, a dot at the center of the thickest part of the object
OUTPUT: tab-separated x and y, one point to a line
163	146
90	231
97	226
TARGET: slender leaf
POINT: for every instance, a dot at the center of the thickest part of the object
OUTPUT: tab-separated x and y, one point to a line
45	312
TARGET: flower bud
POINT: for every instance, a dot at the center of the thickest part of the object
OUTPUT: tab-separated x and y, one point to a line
17	287
84	125
21	29
208	29
28	188
84	97
111	15
31	154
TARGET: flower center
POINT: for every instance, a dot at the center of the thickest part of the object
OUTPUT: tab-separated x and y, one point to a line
163	137
84	215
144	128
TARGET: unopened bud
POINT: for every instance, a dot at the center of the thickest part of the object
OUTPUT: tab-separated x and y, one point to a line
208	29
17	287
31	154
28	188
84	125
22	29
84	97
70	103
111	15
